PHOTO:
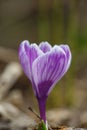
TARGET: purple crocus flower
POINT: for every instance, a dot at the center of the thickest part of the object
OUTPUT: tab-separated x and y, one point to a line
44	65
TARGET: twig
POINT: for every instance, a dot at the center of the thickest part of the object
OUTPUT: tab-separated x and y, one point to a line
34	112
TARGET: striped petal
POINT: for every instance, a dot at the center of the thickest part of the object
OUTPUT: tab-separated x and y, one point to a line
27	54
48	70
68	54
45	46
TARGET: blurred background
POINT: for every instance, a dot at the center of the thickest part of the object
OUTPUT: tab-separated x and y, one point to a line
57	22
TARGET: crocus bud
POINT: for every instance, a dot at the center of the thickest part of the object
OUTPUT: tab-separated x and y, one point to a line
44	65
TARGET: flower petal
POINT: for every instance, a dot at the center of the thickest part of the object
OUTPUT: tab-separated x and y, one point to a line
27	54
24	59
45	46
48	69
68	54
